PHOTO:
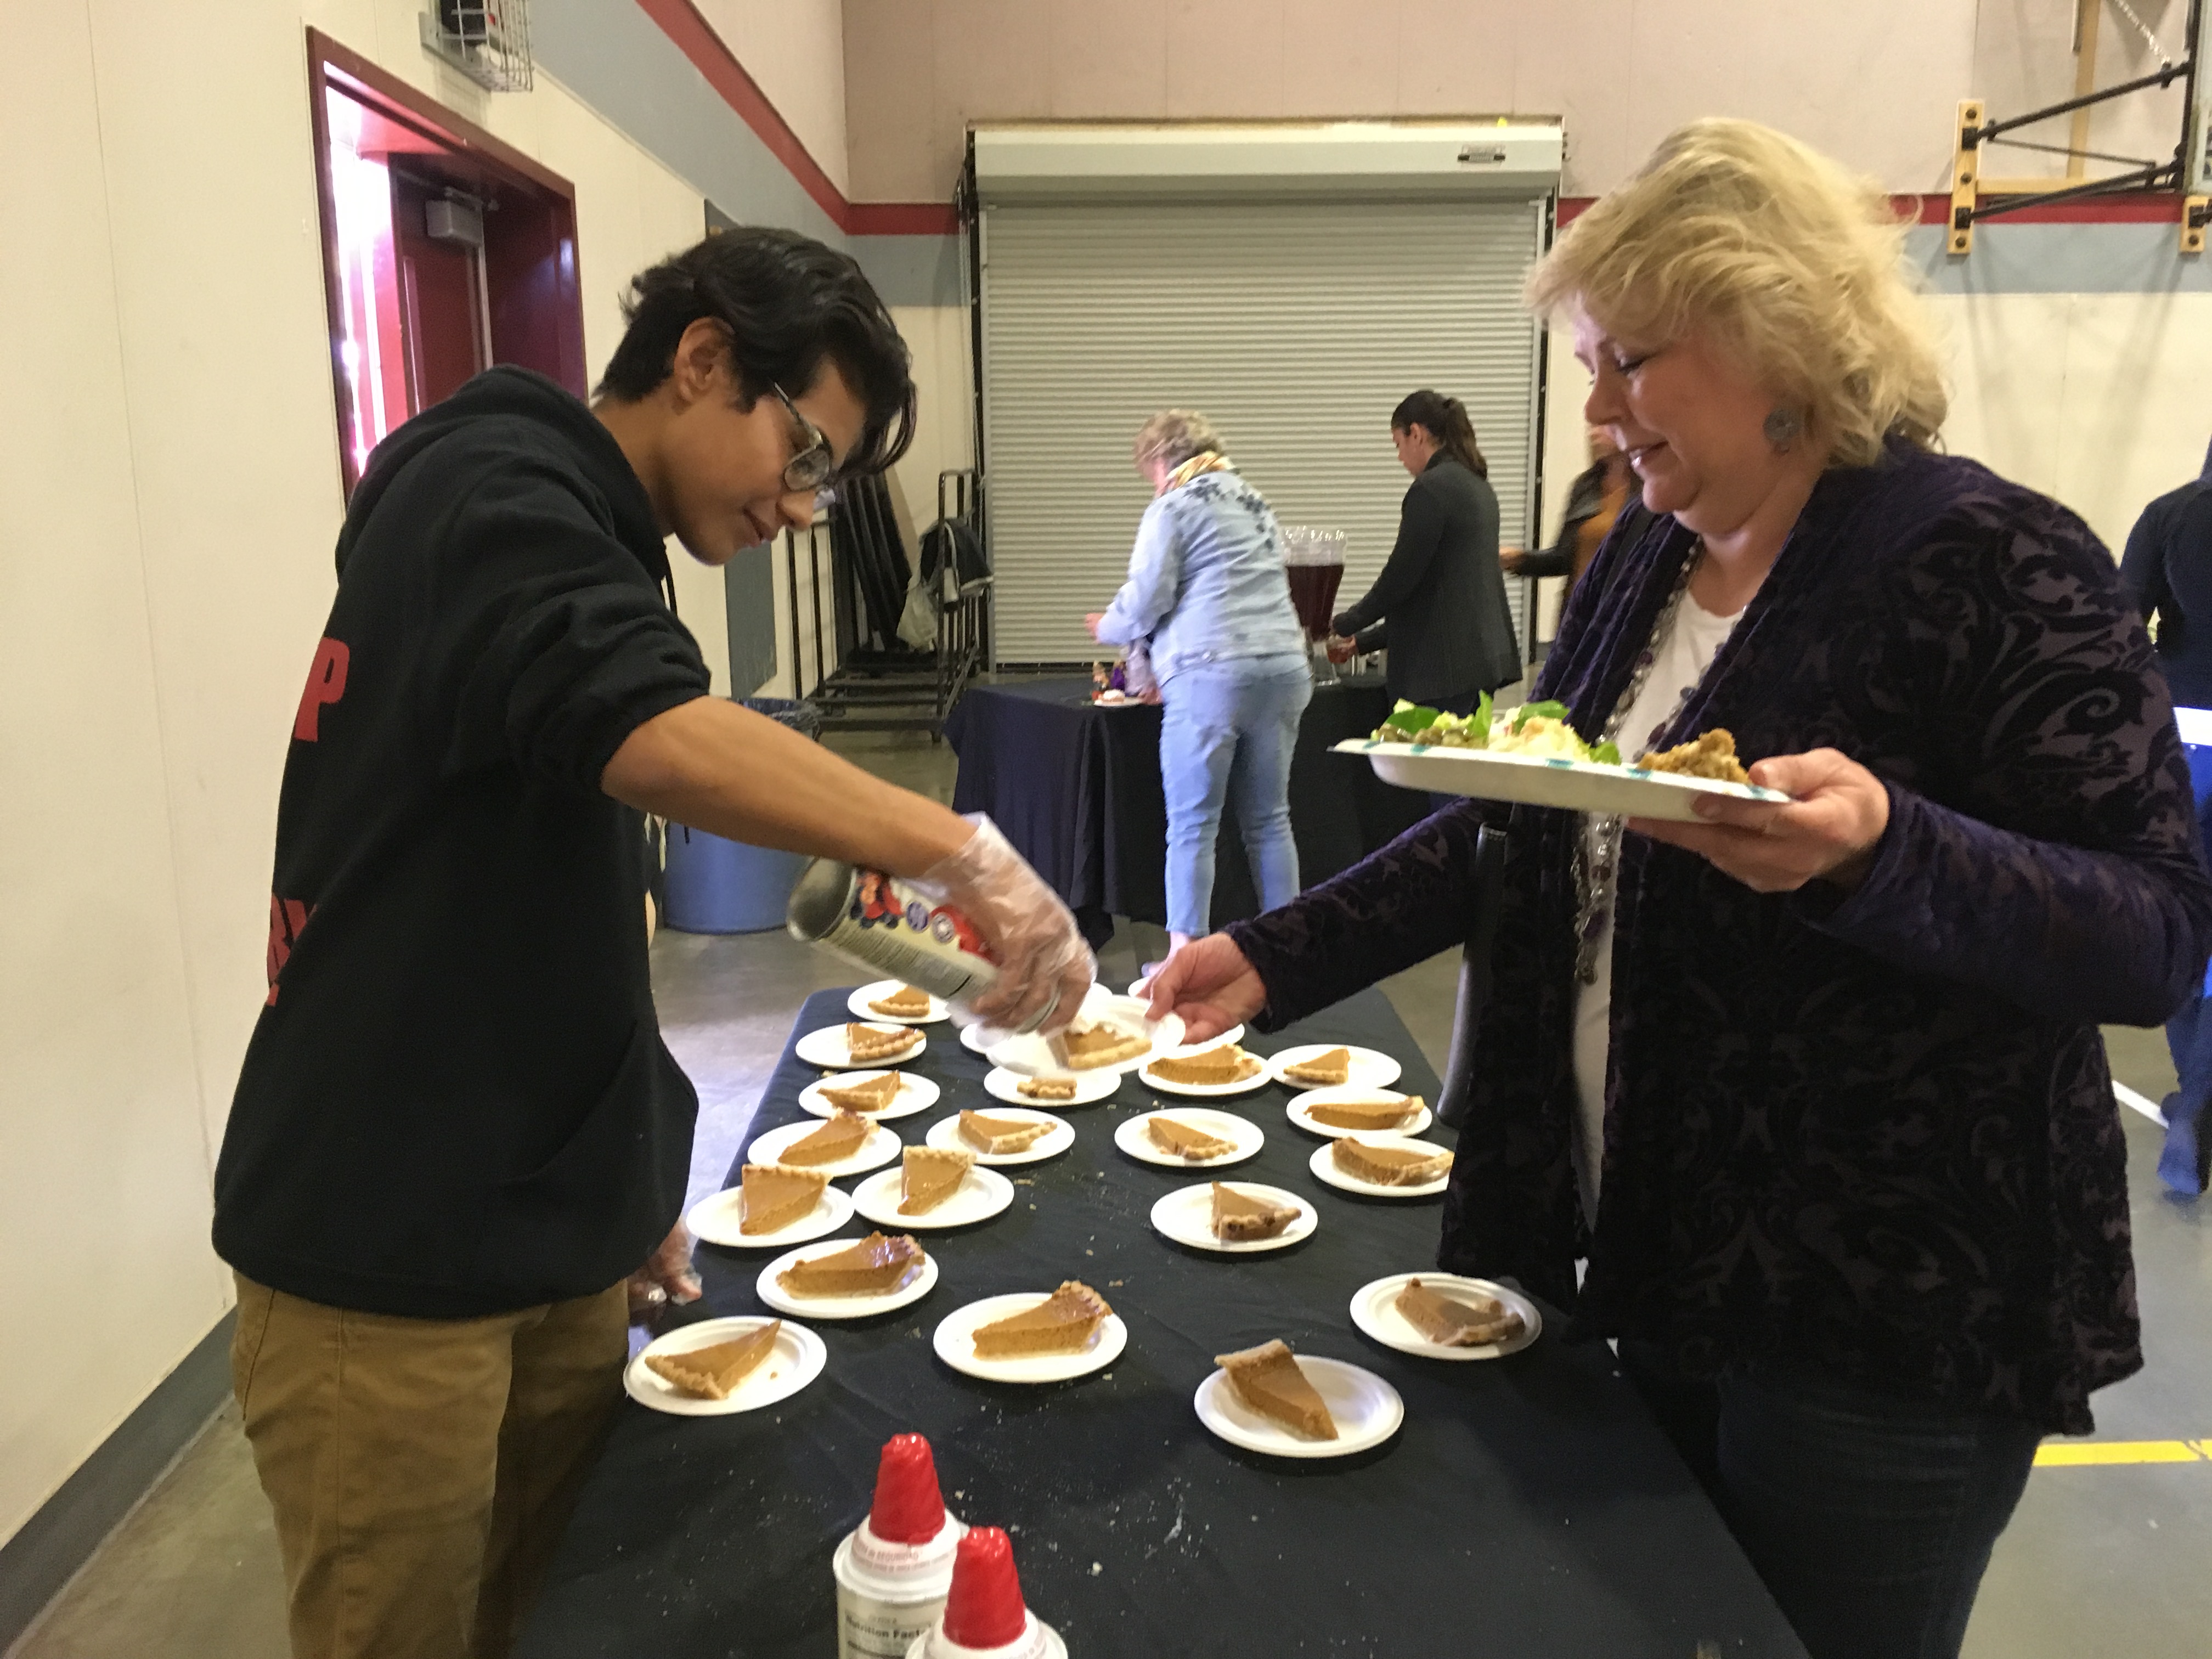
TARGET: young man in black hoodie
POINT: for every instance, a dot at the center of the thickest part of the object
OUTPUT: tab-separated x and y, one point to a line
457	1135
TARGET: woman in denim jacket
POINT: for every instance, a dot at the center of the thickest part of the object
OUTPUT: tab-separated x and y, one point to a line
1207	590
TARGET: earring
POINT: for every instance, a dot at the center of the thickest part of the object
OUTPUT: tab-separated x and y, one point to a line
1782	429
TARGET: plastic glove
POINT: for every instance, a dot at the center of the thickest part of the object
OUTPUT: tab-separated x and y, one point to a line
667	1276
1044	966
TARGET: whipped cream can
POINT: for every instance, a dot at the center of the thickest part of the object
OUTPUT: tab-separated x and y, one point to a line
891	926
1038	1640
888	1593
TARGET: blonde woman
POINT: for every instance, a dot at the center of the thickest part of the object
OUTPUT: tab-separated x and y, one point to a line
1816	1088
1207	590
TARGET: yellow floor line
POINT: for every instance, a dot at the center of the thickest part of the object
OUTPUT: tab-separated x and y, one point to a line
2061	1454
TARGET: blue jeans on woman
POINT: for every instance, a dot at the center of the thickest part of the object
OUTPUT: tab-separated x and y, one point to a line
1870	1516
1227	730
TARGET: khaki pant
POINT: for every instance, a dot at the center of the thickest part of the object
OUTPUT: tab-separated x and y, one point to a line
421	1470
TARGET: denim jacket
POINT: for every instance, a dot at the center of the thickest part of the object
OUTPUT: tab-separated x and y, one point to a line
1206	580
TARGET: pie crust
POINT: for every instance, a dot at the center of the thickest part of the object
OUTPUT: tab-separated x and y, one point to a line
905	1003
1388	1166
873	1095
1379	1114
713	1373
771	1197
1452	1323
840	1137
876	1265
1327	1069
1226	1063
1268	1379
1089	1047
1067	1321
1172	1135
1046	1088
870	1043
1239	1218
930	1175
1001	1136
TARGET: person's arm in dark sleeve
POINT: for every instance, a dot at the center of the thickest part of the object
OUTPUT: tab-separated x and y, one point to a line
1420	533
1371	640
2143	567
2099	907
1398	906
550	650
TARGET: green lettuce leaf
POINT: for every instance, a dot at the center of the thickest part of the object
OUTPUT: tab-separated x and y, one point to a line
1479	722
1606	754
1557	711
1410	717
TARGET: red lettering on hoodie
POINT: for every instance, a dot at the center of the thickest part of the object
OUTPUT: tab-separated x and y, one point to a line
326	683
286	918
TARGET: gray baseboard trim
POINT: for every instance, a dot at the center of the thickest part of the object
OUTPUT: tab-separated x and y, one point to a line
61	1536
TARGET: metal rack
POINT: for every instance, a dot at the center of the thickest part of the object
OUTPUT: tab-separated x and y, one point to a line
866	678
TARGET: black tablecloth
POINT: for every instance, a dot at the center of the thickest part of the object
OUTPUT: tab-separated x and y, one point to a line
1528	1507
1076	788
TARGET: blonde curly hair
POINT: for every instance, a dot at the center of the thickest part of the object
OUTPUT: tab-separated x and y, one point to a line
1793	263
1174	435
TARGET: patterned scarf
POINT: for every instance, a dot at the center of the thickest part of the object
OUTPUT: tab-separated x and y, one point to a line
1196	466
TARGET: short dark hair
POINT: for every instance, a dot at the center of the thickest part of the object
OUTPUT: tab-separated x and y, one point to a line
788	303
1445	420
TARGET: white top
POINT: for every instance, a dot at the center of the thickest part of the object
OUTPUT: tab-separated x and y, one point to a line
1691	644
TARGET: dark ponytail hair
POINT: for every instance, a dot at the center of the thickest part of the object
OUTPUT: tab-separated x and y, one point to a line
1445	420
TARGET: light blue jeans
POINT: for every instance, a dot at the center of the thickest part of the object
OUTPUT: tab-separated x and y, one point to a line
1227	731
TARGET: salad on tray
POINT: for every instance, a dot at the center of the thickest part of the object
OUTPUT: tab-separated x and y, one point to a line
1540	729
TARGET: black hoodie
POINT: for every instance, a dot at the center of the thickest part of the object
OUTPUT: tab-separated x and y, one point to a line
456	1100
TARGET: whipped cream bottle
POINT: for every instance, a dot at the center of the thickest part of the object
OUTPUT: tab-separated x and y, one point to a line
894	1569
985	1616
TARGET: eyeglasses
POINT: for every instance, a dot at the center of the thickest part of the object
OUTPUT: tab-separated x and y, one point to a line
811	466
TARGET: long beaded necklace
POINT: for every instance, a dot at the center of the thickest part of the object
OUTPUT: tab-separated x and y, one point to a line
1597	877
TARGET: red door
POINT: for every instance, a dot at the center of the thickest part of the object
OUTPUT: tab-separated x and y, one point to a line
441	297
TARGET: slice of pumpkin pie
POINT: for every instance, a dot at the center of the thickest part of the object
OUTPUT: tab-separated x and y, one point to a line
713	1373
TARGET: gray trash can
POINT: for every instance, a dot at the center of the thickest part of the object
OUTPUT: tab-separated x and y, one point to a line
719	886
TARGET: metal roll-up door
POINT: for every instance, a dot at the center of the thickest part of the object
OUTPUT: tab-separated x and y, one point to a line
1296	325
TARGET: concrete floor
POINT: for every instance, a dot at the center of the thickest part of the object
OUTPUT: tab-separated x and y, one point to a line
2097	1559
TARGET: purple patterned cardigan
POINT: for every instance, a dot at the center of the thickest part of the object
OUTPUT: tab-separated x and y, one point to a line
1872	1133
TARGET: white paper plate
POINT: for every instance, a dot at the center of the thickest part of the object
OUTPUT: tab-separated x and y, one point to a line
881	1146
975	1038
1032	1056
915	1094
1373	1312
839	1307
1090	1088
1259	1079
1367	1410
1297	1114
715	1219
945	1134
955	1342
858	1003
1186	1215
1132	1138
1369	1068
1234	1034
1579	785
796	1360
1323	1164
826	1047
983	1195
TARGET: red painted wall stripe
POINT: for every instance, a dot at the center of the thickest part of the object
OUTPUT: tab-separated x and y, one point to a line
696	40
2159	209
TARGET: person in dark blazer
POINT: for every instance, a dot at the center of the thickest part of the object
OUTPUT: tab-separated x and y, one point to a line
1439	605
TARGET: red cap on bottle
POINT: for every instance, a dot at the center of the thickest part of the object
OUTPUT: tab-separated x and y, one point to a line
908	1507
985	1609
